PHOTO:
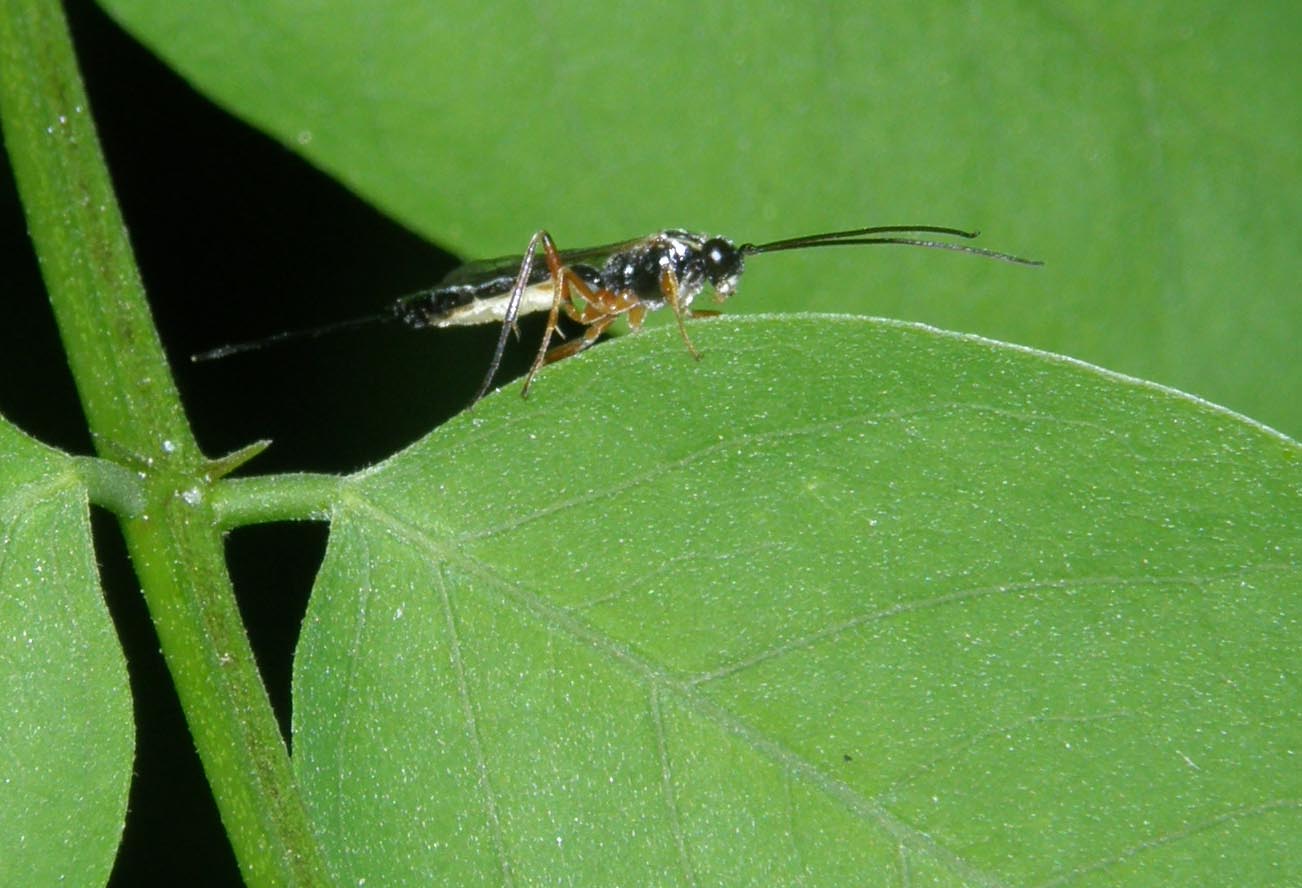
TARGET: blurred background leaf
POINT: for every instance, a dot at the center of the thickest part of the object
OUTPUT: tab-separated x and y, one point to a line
1146	153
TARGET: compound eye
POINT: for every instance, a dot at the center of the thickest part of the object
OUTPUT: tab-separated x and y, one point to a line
722	259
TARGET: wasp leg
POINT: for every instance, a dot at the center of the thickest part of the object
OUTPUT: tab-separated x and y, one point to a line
669	287
574	346
513	306
561	279
601	308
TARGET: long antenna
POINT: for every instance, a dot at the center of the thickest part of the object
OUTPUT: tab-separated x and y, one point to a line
856	236
236	348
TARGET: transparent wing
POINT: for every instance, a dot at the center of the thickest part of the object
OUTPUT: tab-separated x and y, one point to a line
483	270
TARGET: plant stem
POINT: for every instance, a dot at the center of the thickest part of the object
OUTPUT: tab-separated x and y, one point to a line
242	501
112	486
134	411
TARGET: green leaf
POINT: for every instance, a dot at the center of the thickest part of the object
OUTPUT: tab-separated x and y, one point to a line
1145	152
906	607
66	733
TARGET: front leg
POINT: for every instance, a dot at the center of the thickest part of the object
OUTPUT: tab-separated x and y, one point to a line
669	287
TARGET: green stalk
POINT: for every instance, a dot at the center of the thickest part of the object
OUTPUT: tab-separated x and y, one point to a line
242	501
135	415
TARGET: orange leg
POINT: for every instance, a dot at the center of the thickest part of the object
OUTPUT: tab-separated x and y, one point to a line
600	309
562	278
669	286
574	346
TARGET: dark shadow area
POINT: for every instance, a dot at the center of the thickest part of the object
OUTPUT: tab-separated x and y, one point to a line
237	238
